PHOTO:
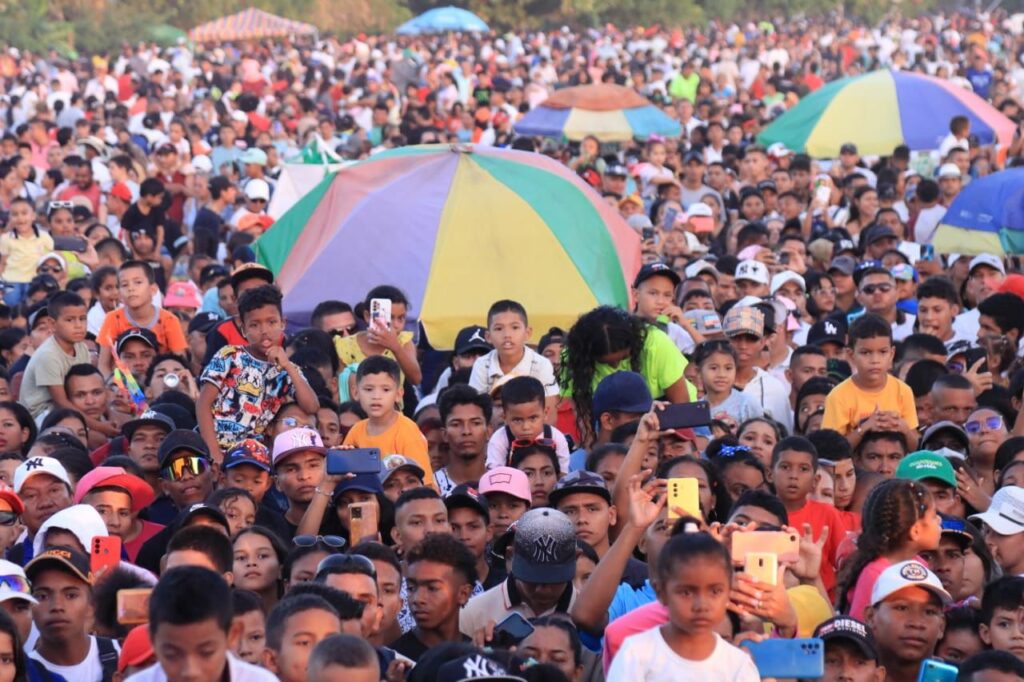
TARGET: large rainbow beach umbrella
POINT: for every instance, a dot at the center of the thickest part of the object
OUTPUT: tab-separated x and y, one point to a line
987	216
881	110
456	228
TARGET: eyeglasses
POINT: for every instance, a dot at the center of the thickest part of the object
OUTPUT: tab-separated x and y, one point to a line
54	205
346	563
8	518
291	422
196	466
991	424
257	201
15	583
332	541
871	289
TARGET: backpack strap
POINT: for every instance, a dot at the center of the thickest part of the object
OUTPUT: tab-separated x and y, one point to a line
108	657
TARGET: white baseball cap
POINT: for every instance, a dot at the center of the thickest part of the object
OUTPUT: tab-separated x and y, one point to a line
257	188
907	574
1005	514
14	583
202	163
949	170
697	267
788	276
39	465
986	259
753	270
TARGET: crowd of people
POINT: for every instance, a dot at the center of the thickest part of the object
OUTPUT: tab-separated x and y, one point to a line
808	425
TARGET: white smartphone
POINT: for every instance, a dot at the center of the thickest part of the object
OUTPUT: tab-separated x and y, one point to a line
380	312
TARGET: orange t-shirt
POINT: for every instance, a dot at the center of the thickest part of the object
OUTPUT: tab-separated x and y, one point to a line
167	329
402	438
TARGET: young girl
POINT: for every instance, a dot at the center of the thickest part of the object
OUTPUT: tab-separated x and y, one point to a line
107	294
761	435
694	579
17	428
739	469
392	342
716	364
258	559
899	522
238	507
540	464
20	251
654	172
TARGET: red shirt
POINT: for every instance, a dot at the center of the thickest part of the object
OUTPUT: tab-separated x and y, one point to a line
819	515
149	529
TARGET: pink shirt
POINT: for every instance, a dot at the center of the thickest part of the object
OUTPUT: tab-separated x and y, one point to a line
861	597
638	620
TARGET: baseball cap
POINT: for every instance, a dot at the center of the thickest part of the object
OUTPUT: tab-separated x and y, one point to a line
752	270
136	648
466	496
923	464
778	150
257	189
256	156
250	270
545	547
367	483
183	295
475	667
53	255
506	480
843	264
178	441
848	148
8	495
827	331
949	170
783	278
621	392
63	558
471	339
949	427
654	270
39	465
392	463
148	418
201	509
701	217
14	583
697	267
116	477
744	320
121	191
881	232
137	334
907	574
987	259
201	163
616	169
248	451
211	272
182	417
706	322
904	272
1005	514
851	630
956	528
694	155
302	439
203	322
166	148
580	481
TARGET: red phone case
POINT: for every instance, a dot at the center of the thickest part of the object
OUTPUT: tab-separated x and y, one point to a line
106	553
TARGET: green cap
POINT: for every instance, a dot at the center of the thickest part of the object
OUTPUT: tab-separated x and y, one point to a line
924	464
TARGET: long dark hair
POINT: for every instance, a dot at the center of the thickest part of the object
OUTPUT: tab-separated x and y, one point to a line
600	332
20	665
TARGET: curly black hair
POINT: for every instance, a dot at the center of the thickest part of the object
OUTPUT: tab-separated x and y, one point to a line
597	334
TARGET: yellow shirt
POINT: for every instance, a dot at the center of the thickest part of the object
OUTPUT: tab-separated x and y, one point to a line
22	255
402	438
848	404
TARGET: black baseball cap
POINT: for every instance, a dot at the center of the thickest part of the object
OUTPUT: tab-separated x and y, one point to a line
828	330
654	270
848	148
465	496
147	418
470	339
850	630
186	516
212	271
63	558
138	334
181	440
203	322
247	271
580	481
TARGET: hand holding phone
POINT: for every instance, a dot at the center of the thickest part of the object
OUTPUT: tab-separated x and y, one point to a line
105	554
511	631
380	312
684	495
353	461
363	521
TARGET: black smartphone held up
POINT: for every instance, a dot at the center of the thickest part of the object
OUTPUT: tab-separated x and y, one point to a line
69	244
972	356
358	461
511	631
684	415
647	233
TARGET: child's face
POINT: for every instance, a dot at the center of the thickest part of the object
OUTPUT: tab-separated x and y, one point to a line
872	358
526	420
503	510
135	288
909	620
378	394
250	644
718	373
196	651
654	296
249	478
508	333
541	474
959	645
71	324
240	513
263	328
302	631
793	475
256	566
436	593
696	594
1004	632
844	477
21	217
141	243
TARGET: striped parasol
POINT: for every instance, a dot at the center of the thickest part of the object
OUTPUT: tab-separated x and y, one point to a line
249	24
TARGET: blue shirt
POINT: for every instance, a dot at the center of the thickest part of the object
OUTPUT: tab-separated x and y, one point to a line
625	600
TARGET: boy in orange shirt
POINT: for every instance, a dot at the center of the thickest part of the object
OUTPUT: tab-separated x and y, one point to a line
380	392
872	399
137	285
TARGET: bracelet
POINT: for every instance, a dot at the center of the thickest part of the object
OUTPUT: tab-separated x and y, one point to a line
317	491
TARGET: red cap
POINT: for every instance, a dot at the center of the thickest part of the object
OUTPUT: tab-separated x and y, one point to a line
116	477
8	495
1013	284
685	435
136	648
121	191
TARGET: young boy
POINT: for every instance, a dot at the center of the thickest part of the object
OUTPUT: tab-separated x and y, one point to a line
244	386
294	627
470	524
794	465
654	290
850	651
344	657
938	304
42	386
440	574
1000	622
190	625
248	466
508	330
20	249
380	391
872	399
507	493
137	285
523	400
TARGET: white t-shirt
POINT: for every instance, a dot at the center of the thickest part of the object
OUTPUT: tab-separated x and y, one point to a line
771	394
89	670
648	658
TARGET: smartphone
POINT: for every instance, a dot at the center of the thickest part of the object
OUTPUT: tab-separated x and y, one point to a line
762	566
669	219
934	670
363	523
133	606
105	553
928	252
684	415
785	546
647	234
69	244
784	258
511	631
380	311
823	193
358	461
788	658
973	355
684	494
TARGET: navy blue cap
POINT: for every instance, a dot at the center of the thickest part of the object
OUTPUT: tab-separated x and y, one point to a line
367	483
621	392
654	270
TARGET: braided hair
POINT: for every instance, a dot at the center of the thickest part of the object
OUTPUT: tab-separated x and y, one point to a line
597	334
889	513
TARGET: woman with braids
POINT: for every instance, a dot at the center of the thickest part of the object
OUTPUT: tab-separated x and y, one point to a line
607	340
899	521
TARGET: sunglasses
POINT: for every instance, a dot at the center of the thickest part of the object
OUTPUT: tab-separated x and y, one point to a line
8	518
347	563
194	465
15	583
991	424
258	201
531	442
48	270
344	331
870	289
332	541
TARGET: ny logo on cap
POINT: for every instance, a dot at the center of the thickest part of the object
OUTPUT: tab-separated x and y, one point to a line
831	328
34	463
478	666
544	549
